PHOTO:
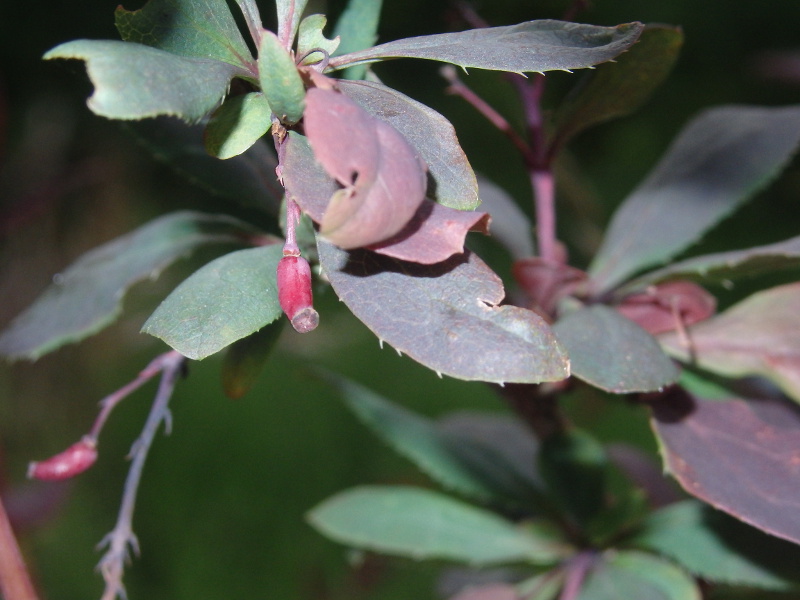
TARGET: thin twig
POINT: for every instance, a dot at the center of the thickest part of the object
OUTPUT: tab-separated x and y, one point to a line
15	582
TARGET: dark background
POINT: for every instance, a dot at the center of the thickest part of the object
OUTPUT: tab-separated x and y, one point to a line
220	512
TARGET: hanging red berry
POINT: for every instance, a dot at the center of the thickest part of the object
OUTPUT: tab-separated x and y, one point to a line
294	293
72	461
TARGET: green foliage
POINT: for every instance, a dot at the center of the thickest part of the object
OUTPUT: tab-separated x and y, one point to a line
358	27
237	125
310	37
280	80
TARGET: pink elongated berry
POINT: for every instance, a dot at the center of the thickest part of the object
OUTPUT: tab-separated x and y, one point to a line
294	293
72	461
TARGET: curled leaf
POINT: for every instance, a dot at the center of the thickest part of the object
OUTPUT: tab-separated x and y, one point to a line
668	306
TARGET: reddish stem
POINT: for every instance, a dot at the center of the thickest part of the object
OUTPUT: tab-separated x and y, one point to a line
15	582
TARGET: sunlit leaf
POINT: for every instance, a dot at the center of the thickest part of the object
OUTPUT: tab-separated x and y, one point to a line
280	80
88	296
718	548
224	301
194	28
453	182
237	125
719	160
533	46
616	89
757	336
245	360
310	37
422	524
446	316
613	353
358	26
739	456
133	81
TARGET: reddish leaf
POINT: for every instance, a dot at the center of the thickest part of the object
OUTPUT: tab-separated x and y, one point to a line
546	282
667	306
741	457
383	179
492	591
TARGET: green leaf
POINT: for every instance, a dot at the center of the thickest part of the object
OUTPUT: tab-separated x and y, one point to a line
719	160
280	80
87	297
357	27
238	124
757	336
422	524
618	88
289	13
310	37
456	462
533	46
453	180
245	359
224	301
573	465
724	266
446	316
613	353
630	574
192	28
719	548
133	81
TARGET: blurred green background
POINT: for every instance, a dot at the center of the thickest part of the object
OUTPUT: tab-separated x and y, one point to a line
220	512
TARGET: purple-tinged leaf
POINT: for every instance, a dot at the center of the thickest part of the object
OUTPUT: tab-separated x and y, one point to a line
490	591
87	296
740	456
446	316
510	225
719	160
719	548
289	13
533	46
133	81
667	306
758	336
383	179
306	181
612	353
453	180
193	28
723	266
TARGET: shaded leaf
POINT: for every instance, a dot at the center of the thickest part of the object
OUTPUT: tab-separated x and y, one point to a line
306	181
719	160
289	13
224	301
87	296
667	306
533	46
194	28
249	178
616	89
723	266
358	27
718	548
310	37
446	316
630	574
280	81
245	360
133	81
491	591
383	179
510	224
237	125
612	353
452	181
422	524
741	457
757	336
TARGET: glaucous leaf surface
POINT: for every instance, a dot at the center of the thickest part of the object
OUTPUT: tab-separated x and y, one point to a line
310	37
758	336
358	28
237	124
722	266
280	81
383	179
719	160
289	14
88	295
617	88
453	181
423	524
511	227
245	359
533	46
739	456
133	81
718	548
224	301
446	316
632	574
455	461
194	28
613	353
248	179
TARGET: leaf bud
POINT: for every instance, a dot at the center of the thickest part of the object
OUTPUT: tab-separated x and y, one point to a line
72	461
294	293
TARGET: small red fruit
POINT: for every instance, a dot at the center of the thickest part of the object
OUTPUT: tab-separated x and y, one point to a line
294	293
72	461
